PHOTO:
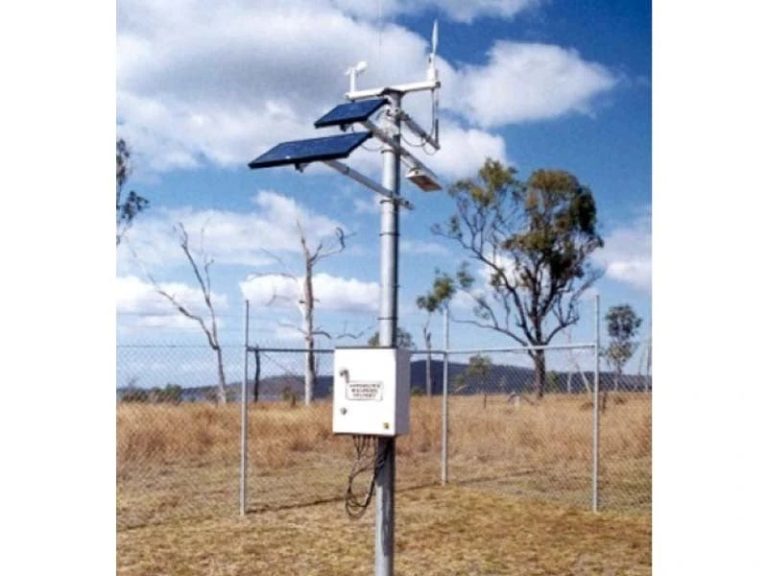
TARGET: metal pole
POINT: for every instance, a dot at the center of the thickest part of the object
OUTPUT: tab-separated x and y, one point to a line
244	421
596	410
446	363
647	378
385	475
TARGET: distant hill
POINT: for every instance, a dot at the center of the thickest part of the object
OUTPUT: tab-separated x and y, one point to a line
500	379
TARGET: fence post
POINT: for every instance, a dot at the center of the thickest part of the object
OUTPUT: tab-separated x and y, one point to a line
244	420
596	411
647	378
256	373
446	364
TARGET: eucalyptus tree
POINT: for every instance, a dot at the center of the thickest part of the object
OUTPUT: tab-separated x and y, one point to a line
126	207
533	240
623	324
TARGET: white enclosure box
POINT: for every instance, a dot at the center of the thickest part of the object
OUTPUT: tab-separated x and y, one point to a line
371	391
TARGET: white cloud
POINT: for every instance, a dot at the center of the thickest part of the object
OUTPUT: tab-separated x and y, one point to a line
135	297
524	82
226	81
332	293
286	334
348	294
229	237
367	204
202	82
626	256
459	10
464	11
463	151
271	289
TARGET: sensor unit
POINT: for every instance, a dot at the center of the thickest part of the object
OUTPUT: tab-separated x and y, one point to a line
423	180
371	391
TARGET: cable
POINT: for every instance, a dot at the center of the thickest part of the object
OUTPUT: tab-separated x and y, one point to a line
363	146
419	145
364	461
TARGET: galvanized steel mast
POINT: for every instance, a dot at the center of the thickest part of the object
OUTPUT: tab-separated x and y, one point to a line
390	232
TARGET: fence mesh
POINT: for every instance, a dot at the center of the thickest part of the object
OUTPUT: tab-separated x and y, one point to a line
507	437
179	453
625	441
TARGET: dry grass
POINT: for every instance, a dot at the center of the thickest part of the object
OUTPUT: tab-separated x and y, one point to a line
178	491
560	427
439	531
177	462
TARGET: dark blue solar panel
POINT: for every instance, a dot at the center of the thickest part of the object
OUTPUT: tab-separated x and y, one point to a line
350	113
306	151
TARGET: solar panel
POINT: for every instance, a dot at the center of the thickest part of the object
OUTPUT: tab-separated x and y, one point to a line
306	151
350	113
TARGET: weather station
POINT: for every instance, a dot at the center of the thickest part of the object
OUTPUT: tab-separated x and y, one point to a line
371	399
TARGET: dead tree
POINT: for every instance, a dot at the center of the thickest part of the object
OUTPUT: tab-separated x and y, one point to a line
307	303
210	329
311	255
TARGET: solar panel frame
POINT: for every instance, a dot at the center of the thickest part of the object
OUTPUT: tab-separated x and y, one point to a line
299	152
351	112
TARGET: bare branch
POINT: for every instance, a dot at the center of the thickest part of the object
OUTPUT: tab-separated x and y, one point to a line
284	324
351	335
204	282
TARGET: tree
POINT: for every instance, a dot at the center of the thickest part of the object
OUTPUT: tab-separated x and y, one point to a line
533	240
479	368
443	289
311	257
210	329
307	300
404	339
126	208
623	324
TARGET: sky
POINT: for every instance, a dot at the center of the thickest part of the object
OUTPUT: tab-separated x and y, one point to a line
203	88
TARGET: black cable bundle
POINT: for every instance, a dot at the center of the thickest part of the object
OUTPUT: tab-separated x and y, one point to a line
364	461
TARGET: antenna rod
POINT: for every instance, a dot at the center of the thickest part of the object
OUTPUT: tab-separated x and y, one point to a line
432	75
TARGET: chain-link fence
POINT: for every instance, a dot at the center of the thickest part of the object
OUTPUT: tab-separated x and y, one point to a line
179	454
523	422
177	451
625	441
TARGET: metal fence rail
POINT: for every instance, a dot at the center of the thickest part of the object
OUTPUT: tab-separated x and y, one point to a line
475	421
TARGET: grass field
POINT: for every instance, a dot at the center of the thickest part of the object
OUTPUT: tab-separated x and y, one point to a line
517	502
439	531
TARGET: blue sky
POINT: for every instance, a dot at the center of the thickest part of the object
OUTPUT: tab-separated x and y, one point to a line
203	88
